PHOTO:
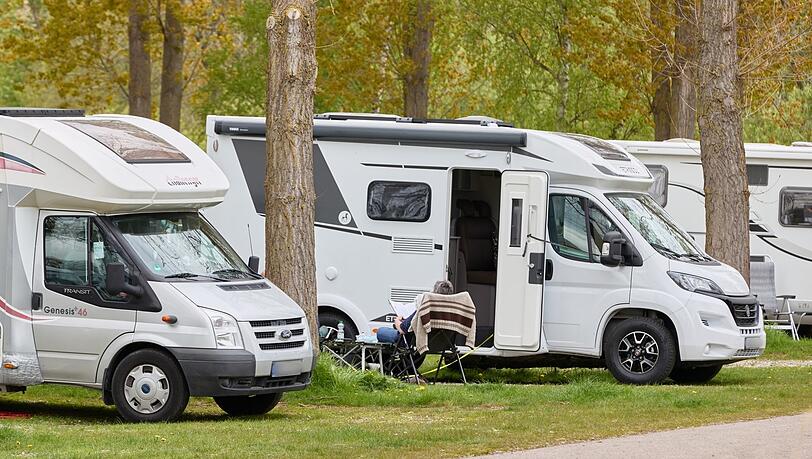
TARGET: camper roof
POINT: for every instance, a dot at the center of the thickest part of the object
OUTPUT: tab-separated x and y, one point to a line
689	147
105	164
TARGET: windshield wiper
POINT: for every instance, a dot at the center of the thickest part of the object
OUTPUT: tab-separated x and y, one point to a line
665	250
237	271
190	275
673	254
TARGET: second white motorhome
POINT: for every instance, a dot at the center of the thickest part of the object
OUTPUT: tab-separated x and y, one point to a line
554	235
780	204
111	278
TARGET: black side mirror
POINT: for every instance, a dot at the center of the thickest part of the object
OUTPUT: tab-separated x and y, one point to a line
613	249
253	264
117	281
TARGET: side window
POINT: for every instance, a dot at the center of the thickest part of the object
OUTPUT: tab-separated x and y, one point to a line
796	207
758	175
659	189
66	251
252	158
567	227
399	201
103	253
599	225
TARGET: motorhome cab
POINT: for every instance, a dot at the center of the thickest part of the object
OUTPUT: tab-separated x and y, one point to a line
554	235
112	279
780	204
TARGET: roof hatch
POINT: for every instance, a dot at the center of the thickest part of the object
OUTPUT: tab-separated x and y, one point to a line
130	142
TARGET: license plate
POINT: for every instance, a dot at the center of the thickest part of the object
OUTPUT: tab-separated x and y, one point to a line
751	343
286	368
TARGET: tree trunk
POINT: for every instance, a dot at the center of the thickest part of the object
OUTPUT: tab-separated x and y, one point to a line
683	82
289	191
139	88
172	66
727	207
418	57
660	110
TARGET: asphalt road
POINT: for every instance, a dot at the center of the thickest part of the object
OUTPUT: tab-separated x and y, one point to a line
784	437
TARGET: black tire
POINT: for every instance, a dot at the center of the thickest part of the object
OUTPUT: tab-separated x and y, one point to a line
160	372
331	319
633	362
694	375
248	405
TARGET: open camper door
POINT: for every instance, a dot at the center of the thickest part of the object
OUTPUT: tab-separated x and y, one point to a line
520	263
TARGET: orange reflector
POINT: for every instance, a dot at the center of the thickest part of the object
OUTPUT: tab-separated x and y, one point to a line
169	319
9	366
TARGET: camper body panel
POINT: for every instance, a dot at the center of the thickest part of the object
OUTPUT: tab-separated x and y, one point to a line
773	169
360	266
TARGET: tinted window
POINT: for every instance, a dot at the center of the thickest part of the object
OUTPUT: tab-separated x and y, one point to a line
252	157
796	207
758	175
567	227
517	206
66	251
130	142
659	189
399	201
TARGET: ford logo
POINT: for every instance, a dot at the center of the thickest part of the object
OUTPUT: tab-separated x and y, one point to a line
285	334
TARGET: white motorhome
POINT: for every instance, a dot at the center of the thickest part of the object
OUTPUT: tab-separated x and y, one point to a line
566	256
111	278
780	203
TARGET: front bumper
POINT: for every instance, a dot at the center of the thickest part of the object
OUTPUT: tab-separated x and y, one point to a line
715	336
231	372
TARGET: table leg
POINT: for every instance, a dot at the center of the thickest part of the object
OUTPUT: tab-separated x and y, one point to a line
363	358
380	359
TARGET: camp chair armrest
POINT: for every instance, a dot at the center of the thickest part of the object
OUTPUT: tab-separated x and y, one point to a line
786	297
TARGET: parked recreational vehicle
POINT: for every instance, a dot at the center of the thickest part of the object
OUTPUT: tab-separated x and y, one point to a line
780	203
111	278
554	235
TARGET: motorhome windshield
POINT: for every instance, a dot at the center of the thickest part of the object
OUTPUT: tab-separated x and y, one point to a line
656	226
181	246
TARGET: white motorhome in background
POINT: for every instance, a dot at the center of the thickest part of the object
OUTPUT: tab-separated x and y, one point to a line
111	278
402	203
780	203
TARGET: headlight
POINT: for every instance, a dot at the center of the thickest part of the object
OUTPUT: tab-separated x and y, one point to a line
226	330
695	283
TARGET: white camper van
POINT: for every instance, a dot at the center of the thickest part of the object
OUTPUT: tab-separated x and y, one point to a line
566	256
780	204
111	278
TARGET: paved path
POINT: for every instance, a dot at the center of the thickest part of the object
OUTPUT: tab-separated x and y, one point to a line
784	437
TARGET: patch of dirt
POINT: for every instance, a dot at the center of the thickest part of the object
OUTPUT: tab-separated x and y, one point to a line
759	363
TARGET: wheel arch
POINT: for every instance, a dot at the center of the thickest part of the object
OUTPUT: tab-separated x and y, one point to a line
107	372
629	311
341	305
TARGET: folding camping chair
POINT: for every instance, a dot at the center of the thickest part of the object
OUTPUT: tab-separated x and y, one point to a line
762	283
442	342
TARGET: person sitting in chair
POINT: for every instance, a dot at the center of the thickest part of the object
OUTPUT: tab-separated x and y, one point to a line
402	325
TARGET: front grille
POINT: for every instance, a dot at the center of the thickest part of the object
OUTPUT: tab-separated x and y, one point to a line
265	335
749	331
275	323
265	382
745	315
287	345
748	353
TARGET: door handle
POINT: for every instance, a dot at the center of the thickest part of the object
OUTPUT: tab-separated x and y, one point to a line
535	273
36	301
548	270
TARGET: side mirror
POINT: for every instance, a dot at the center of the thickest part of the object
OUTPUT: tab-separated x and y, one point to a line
117	281
613	248
253	264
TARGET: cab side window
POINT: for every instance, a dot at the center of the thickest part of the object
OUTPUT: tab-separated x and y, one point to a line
103	253
599	225
567	227
66	251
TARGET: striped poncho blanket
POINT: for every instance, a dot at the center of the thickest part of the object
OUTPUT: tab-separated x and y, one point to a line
445	312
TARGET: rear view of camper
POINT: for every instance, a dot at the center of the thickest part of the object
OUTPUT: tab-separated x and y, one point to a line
112	279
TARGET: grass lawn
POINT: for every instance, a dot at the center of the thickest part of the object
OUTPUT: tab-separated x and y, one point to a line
780	346
346	413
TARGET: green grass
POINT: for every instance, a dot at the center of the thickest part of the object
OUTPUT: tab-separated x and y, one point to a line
347	413
780	346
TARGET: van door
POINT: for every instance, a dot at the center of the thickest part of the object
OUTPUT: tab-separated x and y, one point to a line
75	319
520	261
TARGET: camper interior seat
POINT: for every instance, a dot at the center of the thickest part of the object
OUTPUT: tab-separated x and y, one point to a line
477	233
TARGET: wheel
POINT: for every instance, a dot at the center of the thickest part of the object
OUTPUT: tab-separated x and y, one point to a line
331	319
149	386
694	375
248	405
639	350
